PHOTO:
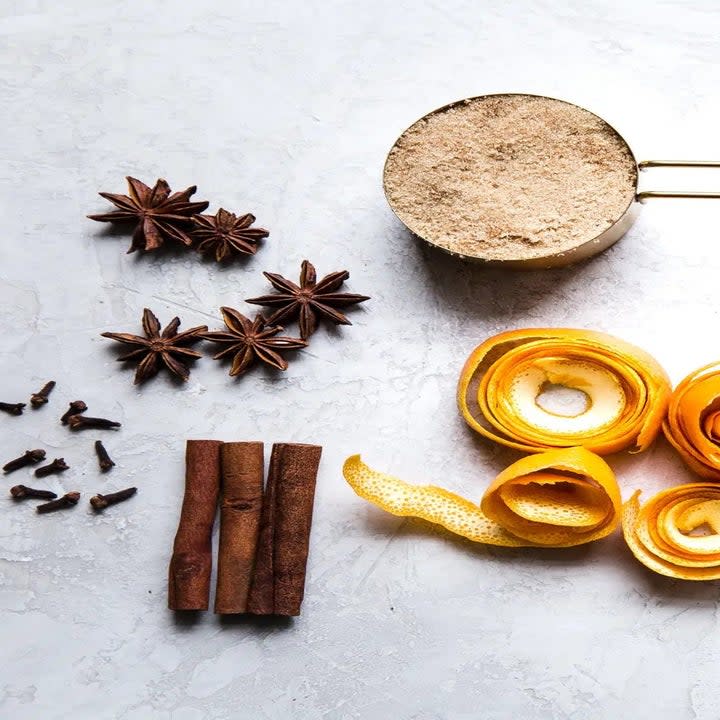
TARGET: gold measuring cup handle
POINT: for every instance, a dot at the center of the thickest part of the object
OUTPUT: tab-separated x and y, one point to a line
645	164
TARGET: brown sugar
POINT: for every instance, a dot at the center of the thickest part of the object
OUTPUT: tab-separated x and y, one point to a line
510	177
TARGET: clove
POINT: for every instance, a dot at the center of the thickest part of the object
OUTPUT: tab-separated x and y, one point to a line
104	460
76	407
12	408
100	502
20	492
67	500
28	458
81	422
40	398
56	466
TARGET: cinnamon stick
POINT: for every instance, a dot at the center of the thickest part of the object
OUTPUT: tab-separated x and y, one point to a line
261	600
279	580
191	563
241	498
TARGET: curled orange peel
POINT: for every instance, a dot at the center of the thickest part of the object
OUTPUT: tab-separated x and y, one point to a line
692	425
627	391
677	532
558	498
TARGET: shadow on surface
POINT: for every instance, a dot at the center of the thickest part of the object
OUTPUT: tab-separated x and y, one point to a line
491	292
676	592
651	586
410	528
185	619
268	623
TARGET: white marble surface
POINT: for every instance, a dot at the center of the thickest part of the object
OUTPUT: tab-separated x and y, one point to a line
287	109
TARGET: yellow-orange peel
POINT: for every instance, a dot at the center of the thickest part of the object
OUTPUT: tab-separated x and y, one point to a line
558	498
677	532
693	421
626	391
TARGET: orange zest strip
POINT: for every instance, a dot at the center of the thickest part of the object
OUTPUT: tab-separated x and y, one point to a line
692	425
627	391
677	532
559	498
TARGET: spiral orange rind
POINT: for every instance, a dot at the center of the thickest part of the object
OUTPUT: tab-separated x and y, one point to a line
677	532
692	425
627	391
558	498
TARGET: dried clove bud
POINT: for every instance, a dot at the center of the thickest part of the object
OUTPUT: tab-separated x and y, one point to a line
76	407
81	422
28	458
12	408
20	492
39	398
67	500
56	466
100	502
104	460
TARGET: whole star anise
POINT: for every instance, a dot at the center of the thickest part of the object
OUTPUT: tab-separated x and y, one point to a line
247	340
310	300
157	349
225	233
158	215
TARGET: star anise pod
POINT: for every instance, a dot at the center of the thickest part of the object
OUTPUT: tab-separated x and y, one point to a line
249	340
225	233
310	300
158	215
157	348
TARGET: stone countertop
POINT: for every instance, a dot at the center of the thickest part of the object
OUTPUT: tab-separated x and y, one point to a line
287	110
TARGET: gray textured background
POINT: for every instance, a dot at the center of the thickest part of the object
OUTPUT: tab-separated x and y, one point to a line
287	110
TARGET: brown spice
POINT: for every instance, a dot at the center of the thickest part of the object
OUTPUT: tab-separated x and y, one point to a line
240	509
58	465
27	458
225	234
309	300
40	398
100	502
21	492
510	177
12	408
247	341
67	500
83	422
159	348
105	462
158	214
76	407
191	563
279	581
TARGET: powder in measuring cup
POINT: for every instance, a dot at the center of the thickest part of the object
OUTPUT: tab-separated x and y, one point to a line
510	177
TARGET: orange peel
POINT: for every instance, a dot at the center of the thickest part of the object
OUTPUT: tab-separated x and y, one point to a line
692	424
677	532
627	391
559	498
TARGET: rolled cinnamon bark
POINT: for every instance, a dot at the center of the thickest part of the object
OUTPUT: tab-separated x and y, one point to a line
241	496
191	563
279	580
261	600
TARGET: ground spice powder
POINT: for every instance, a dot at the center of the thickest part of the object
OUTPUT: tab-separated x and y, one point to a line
510	177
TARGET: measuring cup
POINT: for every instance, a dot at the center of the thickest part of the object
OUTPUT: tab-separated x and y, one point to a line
585	248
